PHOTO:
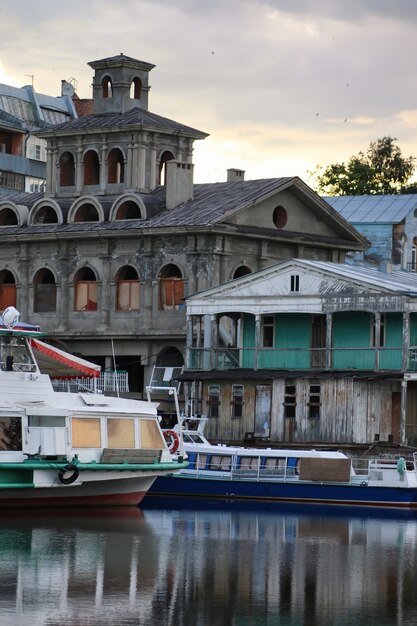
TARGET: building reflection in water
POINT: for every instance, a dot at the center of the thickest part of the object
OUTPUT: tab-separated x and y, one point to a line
216	567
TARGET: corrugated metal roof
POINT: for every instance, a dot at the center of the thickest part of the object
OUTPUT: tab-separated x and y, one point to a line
372	209
399	281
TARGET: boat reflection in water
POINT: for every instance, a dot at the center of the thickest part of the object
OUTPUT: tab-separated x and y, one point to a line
240	565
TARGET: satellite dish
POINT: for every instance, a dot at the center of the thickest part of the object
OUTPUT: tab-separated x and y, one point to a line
10	316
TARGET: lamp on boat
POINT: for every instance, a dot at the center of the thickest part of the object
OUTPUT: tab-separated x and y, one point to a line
10	316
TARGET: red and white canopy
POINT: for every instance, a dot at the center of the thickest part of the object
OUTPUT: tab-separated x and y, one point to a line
60	364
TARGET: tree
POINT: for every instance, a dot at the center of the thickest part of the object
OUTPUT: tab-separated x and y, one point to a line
382	169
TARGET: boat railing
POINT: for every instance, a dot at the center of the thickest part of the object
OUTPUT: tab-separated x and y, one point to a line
109	381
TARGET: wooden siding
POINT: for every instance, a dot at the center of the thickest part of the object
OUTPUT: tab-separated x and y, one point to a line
352	329
351	412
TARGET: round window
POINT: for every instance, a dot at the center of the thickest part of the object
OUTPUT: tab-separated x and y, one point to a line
280	217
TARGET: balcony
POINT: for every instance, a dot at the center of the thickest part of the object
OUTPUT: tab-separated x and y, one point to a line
361	358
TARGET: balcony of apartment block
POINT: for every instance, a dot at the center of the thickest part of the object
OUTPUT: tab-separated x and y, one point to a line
22	165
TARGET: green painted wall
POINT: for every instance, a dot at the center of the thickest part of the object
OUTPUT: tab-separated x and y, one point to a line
352	341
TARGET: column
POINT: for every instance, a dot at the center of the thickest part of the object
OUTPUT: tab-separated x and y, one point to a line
329	336
189	353
257	341
377	338
213	346
79	171
406	341
403	411
103	168
153	182
49	158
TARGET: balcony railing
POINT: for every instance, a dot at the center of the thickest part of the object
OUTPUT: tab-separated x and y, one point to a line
108	381
383	358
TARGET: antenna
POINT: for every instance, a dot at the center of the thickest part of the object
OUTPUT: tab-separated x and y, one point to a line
31	76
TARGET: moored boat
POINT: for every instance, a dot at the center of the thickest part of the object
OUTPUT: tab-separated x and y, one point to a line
286	475
70	449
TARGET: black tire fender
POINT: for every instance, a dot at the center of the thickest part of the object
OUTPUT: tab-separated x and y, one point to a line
68	480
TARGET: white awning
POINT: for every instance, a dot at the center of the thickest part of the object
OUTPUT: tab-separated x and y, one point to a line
59	364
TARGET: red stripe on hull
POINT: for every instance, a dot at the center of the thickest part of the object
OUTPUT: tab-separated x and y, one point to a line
115	499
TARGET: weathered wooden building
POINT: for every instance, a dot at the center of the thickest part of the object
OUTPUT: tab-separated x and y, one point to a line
307	351
389	222
105	257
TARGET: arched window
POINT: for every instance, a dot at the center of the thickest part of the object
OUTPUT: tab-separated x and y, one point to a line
7	289
66	170
8	217
106	87
91	168
46	215
127	289
136	89
165	156
44	291
116	166
129	210
170	357
86	213
242	270
171	288
85	290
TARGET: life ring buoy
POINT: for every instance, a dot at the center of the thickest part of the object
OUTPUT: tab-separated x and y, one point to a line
68	480
172	439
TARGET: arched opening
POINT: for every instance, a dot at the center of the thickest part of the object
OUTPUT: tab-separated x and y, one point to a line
66	170
171	288
85	290
91	168
136	89
165	156
8	217
44	291
170	357
129	210
116	166
106	87
86	213
46	215
127	289
7	289
242	270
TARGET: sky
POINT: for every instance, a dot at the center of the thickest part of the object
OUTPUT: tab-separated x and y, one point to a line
281	86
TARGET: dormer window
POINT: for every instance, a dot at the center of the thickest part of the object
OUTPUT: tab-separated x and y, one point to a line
107	88
294	283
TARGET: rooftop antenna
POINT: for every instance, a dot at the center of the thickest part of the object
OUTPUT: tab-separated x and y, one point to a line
31	76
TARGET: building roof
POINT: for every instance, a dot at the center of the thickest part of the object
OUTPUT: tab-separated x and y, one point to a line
137	117
371	209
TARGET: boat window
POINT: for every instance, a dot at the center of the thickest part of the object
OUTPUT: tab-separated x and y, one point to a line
220	462
201	461
273	464
150	435
10	433
86	432
249	462
15	355
120	433
43	421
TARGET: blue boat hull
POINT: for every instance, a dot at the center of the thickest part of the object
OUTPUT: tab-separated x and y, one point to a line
324	493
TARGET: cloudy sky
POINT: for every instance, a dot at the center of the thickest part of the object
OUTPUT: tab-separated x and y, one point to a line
280	85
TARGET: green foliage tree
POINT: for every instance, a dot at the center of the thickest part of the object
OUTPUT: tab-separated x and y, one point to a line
382	169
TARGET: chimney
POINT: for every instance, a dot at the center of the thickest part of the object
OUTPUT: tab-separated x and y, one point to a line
179	182
234	174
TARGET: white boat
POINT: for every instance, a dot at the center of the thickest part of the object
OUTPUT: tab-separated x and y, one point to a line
279	474
70	449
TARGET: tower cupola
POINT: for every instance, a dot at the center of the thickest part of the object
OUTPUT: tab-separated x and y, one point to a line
120	83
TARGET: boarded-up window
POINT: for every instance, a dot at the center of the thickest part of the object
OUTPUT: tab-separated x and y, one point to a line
86	432
121	433
171	293
86	296
7	296
128	295
150	436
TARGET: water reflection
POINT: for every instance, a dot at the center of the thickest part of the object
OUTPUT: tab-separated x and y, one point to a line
237	566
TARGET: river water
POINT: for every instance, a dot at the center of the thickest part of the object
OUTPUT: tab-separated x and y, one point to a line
215	565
